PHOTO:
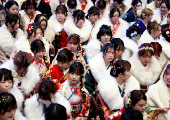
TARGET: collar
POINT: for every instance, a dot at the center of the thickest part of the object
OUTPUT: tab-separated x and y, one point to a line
38	3
65	71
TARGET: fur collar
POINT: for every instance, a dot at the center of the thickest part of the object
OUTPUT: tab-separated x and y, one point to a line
7	40
84	32
109	91
97	67
151	6
165	47
18	115
34	108
139	71
88	5
2	17
29	81
53	4
49	34
93	48
162	60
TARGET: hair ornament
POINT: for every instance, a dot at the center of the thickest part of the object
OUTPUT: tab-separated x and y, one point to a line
134	35
30	27
4	99
127	100
114	70
167	32
41	19
146	48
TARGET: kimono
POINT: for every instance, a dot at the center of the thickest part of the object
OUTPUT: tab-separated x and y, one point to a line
130	17
85	6
140	23
151	6
49	34
75	96
165	47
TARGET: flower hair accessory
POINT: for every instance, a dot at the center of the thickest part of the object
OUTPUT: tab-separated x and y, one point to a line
127	101
29	29
4	99
114	70
146	48
134	35
167	32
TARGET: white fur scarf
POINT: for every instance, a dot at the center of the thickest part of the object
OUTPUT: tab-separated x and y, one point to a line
165	47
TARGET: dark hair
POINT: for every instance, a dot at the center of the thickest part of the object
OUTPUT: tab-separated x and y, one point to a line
39	18
145	51
101	4
35	26
153	26
106	47
79	14
167	67
132	114
76	67
28	3
113	10
45	88
61	8
8	102
55	112
132	29
11	18
75	38
165	35
9	4
157	48
135	2
117	43
119	1
22	60
93	11
166	3
104	29
65	55
72	4
6	74
120	66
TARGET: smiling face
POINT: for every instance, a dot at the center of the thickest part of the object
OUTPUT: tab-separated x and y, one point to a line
166	77
9	115
163	9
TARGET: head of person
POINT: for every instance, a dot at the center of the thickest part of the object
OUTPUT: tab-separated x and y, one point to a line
101	5
72	4
157	3
154	29
12	22
118	3
22	61
146	14
55	112
121	69
166	75
73	42
132	114
145	53
118	46
166	34
6	80
104	34
157	49
114	15
46	91
76	72
41	20
108	52
64	59
8	106
30	7
11	7
136	5
164	7
134	32
168	18
93	14
61	12
35	31
79	18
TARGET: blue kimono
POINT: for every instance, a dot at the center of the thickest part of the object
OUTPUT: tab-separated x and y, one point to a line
141	24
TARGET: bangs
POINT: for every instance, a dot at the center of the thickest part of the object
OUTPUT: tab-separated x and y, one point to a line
62	58
74	41
145	53
120	47
75	70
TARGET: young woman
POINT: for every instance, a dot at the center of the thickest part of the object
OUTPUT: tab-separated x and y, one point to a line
154	5
95	45
36	106
77	95
71	7
158	97
8	107
160	15
25	75
11	7
34	31
133	34
101	5
78	25
152	33
119	82
145	17
84	5
9	34
98	66
93	15
118	25
145	67
29	13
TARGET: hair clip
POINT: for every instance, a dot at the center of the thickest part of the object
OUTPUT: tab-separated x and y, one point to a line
29	29
114	70
134	35
127	100
146	48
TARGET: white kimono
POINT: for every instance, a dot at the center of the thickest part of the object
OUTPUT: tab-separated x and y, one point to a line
165	47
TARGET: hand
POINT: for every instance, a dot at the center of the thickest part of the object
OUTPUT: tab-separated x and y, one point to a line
52	48
163	110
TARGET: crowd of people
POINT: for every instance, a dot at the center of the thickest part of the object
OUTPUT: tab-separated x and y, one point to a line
85	60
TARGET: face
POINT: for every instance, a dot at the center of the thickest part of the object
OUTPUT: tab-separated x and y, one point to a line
138	6
79	23
13	9
105	39
21	71
168	20
145	59
158	32
74	78
72	46
43	24
157	3
38	35
39	55
15	27
63	65
126	75
140	105
163	8
149	18
60	16
119	52
109	55
118	5
115	17
166	77
93	18
8	115
6	85
29	11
